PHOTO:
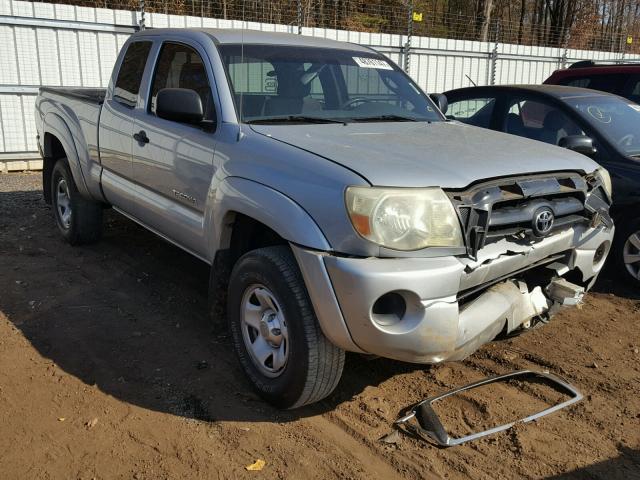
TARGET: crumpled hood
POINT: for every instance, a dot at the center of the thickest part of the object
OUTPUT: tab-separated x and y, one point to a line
420	154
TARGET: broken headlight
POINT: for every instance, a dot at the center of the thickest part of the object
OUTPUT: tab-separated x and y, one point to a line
404	218
605	179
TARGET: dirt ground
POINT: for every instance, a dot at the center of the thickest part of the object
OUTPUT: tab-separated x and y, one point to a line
109	368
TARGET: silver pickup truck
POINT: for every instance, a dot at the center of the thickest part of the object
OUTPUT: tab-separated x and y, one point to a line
338	208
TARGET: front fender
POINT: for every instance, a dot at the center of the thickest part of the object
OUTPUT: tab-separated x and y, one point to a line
54	125
269	207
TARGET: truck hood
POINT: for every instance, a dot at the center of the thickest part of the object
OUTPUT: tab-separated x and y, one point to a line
421	154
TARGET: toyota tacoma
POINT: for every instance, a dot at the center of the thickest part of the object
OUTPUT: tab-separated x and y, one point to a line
337	206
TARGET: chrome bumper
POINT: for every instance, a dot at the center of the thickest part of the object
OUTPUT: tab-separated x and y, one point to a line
436	326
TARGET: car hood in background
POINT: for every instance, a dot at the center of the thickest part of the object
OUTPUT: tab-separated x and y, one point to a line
421	154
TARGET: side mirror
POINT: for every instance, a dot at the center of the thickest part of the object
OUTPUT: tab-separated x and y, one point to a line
578	143
441	101
180	105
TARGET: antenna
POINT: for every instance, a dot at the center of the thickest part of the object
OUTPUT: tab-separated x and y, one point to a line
240	113
474	83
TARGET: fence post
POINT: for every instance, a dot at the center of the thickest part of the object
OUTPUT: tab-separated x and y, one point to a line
299	15
407	46
141	14
623	40
565	50
494	56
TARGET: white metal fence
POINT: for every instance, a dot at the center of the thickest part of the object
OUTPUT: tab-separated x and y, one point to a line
66	45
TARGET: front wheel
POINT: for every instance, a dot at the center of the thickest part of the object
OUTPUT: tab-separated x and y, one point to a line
275	332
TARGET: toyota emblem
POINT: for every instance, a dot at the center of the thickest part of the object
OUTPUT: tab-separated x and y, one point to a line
543	222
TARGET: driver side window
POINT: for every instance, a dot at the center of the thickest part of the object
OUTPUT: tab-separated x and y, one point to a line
539	120
180	66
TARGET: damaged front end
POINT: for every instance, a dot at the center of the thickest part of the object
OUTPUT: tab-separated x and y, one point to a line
535	244
514	230
529	207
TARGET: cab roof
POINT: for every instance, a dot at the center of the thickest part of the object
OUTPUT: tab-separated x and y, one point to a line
225	36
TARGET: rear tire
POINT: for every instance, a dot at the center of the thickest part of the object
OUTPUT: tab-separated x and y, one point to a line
627	249
284	354
79	220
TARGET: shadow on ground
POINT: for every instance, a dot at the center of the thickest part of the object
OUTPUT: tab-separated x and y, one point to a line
129	315
625	466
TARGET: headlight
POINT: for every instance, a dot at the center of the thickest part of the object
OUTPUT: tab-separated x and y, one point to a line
603	175
404	218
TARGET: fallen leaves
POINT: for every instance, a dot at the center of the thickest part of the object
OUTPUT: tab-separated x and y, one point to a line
91	423
392	438
256	466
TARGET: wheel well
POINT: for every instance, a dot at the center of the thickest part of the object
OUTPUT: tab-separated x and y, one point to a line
241	235
249	234
53	150
625	214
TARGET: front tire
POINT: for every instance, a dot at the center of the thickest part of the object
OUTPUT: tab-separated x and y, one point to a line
79	220
275	332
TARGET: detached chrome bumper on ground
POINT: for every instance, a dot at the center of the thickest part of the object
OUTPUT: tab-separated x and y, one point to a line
428	310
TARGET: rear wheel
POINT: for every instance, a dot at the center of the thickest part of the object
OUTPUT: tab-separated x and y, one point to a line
627	249
275	332
79	220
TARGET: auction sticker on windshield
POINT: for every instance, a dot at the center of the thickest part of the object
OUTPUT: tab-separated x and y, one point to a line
372	63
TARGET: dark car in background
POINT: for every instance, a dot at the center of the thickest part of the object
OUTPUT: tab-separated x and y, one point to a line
602	126
620	79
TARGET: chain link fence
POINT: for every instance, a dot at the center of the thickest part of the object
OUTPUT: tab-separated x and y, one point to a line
403	17
76	44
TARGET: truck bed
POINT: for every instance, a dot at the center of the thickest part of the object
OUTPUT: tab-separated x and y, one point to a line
77	112
93	95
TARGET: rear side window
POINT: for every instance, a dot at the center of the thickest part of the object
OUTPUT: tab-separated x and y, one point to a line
632	89
473	111
605	82
130	74
582	82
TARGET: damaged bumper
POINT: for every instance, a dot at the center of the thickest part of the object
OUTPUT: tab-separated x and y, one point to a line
429	310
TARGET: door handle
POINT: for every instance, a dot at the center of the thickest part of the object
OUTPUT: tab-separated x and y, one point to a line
141	137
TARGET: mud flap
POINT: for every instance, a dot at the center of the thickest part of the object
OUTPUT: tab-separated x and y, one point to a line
427	424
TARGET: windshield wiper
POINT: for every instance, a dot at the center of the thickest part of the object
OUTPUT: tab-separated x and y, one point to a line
385	118
296	118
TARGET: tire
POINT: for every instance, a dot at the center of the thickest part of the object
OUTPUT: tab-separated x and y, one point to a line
79	220
627	249
304	366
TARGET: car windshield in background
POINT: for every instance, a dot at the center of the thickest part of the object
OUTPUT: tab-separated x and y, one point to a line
616	118
315	85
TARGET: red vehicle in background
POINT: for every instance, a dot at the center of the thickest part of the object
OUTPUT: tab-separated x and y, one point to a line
619	79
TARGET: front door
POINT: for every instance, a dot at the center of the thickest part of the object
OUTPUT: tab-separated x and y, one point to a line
173	161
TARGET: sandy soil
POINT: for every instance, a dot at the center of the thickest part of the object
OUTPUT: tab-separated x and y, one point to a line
109	368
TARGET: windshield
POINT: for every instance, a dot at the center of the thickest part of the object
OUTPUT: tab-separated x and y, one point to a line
310	84
615	118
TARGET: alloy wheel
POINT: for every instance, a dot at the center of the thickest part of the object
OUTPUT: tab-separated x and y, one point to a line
264	330
631	255
63	203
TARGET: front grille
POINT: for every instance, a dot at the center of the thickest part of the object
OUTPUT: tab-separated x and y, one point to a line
508	207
